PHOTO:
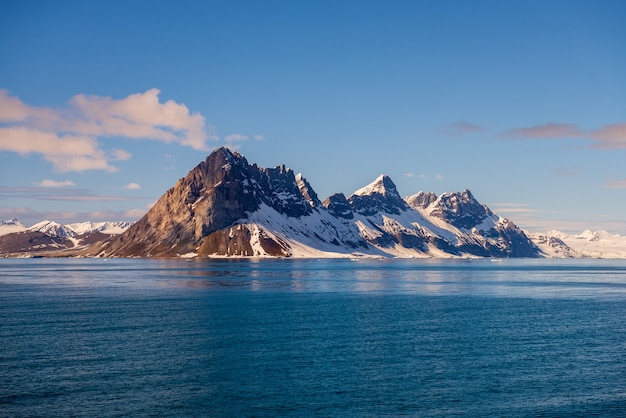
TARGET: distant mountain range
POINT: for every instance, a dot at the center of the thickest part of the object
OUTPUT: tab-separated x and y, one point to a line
51	238
587	244
67	230
227	207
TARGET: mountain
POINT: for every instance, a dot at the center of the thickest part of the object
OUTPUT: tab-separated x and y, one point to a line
587	244
226	206
51	238
11	226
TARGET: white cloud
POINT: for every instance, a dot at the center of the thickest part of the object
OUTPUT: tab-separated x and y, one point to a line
236	138
53	183
409	175
512	208
132	186
120	155
259	137
68	136
66	153
438	177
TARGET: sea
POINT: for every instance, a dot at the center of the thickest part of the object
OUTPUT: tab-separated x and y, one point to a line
328	338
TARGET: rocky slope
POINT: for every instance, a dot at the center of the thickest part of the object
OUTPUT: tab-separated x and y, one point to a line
228	207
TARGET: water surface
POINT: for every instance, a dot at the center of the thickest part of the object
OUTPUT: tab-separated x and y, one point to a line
312	337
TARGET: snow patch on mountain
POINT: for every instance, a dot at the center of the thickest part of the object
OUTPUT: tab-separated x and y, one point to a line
318	234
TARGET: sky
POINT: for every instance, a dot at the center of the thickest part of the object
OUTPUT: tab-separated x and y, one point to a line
104	105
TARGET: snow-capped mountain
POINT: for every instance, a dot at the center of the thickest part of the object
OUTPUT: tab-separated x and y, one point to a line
68	230
228	207
51	228
110	228
587	244
71	230
11	226
49	237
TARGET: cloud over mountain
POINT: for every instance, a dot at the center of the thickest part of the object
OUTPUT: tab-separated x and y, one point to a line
68	136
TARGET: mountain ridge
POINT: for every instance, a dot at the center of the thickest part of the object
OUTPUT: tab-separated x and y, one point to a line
227	207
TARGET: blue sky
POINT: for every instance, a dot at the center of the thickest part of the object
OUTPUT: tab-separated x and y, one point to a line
104	105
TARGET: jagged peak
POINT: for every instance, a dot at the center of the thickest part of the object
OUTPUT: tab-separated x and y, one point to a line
383	185
307	191
452	199
280	169
466	194
421	199
226	155
225	151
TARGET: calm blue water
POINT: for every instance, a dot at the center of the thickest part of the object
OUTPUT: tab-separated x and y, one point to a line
312	338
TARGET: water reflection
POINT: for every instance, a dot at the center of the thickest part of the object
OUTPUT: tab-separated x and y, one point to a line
516	278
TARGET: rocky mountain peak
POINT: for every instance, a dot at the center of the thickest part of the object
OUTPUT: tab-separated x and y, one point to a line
215	194
460	209
421	200
383	185
51	228
307	191
379	196
338	206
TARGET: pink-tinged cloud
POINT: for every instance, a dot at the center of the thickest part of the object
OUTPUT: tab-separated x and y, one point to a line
546	131
53	183
132	186
462	128
68	137
610	137
120	155
616	184
139	116
65	152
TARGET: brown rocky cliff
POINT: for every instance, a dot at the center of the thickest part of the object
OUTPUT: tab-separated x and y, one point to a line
212	196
